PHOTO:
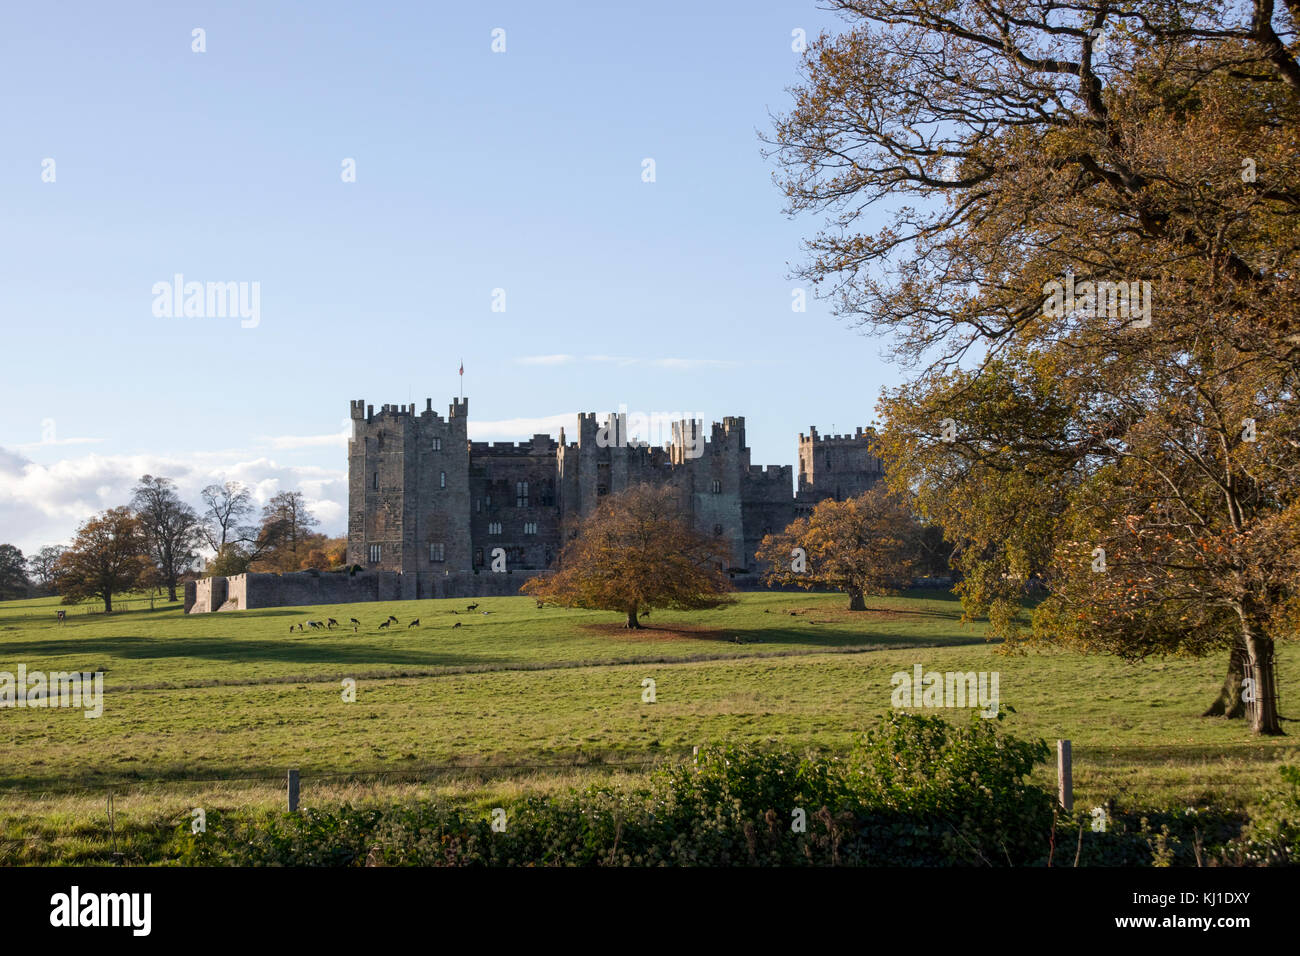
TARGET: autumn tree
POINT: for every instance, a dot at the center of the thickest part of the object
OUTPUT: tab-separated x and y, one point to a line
1020	144
107	557
287	525
13	573
41	566
171	528
636	551
869	544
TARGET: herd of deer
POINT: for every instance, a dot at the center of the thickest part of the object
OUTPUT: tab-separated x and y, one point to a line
329	623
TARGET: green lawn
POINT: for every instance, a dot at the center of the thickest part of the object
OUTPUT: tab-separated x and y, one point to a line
236	695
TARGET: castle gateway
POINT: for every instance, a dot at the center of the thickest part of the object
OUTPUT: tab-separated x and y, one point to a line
425	501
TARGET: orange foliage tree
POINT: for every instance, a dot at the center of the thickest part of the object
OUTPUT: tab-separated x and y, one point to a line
634	552
865	545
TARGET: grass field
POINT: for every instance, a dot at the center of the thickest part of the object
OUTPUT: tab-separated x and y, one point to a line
210	710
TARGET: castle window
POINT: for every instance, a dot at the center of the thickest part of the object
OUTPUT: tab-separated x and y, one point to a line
442	479
601	490
437	551
437	444
494	527
717	486
717	529
521	494
530	527
375	482
478	557
375	553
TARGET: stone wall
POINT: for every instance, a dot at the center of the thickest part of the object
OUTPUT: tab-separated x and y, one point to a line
305	588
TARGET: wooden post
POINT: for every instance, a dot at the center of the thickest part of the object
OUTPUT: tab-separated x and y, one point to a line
1064	775
293	791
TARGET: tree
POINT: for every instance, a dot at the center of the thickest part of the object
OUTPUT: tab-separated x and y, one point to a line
226	506
869	544
636	551
107	557
1020	144
13	573
171	528
41	566
286	526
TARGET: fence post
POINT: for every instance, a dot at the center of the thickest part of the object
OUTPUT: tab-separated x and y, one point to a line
1064	775
293	791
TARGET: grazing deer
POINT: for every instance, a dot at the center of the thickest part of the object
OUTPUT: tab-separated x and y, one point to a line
354	621
290	628
645	613
392	620
331	623
415	623
384	625
472	607
312	625
456	625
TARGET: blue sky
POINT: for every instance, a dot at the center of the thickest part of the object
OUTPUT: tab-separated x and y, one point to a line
475	171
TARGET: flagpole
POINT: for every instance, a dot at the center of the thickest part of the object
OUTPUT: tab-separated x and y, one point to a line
462	380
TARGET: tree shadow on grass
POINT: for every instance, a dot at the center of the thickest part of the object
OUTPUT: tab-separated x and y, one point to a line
242	650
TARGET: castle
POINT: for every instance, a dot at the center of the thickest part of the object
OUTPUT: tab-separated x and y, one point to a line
425	501
432	514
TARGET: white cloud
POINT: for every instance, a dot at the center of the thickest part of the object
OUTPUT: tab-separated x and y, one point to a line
545	359
44	503
285	442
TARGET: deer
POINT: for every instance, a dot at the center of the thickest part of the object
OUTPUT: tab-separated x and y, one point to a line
472	607
331	623
384	626
415	623
456	625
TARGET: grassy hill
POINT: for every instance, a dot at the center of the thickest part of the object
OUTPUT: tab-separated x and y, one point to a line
212	709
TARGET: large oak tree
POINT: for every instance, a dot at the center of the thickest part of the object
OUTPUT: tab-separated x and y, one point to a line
1013	144
107	557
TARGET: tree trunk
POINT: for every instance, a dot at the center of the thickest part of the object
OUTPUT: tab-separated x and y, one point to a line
108	603
856	600
1261	668
631	619
171	590
1229	703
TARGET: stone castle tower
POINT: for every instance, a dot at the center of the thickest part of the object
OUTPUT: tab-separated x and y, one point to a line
425	501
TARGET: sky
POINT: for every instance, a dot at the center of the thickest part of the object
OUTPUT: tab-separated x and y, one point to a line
393	197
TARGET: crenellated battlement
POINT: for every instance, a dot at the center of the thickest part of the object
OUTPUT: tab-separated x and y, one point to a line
771	472
859	434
